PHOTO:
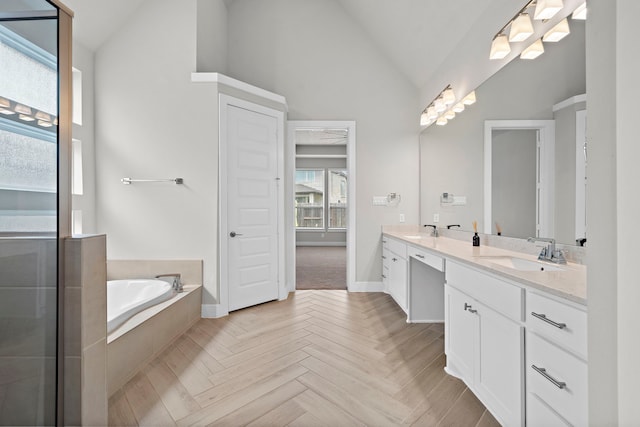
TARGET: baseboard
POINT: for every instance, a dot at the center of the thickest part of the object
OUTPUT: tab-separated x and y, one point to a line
213	311
321	244
367	287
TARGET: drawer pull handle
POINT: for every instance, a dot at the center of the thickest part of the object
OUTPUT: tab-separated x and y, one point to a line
394	259
384	277
384	241
543	372
420	256
384	257
544	318
469	308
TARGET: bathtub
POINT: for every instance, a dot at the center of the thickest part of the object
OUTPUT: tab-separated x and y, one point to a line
125	298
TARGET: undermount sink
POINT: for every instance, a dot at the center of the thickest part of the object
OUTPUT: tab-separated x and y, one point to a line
522	264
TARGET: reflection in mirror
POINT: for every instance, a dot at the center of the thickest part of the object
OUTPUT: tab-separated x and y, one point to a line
551	87
519	172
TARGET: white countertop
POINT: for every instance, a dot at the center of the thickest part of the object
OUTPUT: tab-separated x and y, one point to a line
569	283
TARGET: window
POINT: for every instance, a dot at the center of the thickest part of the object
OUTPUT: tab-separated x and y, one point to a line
312	207
76	168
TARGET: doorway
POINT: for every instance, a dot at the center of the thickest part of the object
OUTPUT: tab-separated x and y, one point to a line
322	159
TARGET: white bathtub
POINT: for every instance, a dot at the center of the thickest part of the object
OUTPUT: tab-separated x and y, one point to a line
125	298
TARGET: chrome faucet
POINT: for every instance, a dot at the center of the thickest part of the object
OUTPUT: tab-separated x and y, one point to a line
549	253
174	279
435	229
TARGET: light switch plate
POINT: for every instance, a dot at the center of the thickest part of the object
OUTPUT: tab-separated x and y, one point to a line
401	217
436	218
380	201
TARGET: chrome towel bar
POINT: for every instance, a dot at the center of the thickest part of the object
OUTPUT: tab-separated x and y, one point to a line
128	181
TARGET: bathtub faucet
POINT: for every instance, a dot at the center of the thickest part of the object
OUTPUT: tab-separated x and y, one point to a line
173	278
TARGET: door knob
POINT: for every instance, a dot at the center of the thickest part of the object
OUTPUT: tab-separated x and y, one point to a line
234	234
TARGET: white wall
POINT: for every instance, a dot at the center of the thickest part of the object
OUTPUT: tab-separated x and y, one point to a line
152	122
211	36
315	55
452	156
83	60
612	91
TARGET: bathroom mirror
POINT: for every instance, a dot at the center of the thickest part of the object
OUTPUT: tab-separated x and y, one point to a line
452	157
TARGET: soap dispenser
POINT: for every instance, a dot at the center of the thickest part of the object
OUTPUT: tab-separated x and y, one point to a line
476	238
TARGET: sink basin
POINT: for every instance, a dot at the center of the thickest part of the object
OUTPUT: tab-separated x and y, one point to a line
523	264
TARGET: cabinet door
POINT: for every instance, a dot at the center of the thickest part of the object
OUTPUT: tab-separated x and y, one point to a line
460	334
398	281
500	369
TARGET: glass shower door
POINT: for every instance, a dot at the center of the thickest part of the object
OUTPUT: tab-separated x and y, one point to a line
29	109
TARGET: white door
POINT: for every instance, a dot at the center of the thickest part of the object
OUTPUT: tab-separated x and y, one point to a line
252	207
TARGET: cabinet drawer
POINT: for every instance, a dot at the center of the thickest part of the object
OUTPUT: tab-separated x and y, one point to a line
540	415
395	246
502	296
426	257
560	323
568	396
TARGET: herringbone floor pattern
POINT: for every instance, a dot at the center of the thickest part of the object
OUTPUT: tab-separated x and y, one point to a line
320	358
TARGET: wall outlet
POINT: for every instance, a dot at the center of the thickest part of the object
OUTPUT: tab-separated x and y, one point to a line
401	217
436	218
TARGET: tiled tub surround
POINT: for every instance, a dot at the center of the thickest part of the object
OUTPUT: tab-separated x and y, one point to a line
27	330
570	283
85	334
145	335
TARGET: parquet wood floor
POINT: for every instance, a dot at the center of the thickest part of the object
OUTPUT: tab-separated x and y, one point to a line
320	358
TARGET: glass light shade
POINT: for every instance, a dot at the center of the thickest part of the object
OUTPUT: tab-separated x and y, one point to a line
458	108
521	28
448	96
470	99
6	112
43	116
533	51
441	121
499	47
580	12
450	114
22	109
431	113
26	118
557	33
547	9
439	104
4	103
424	119
44	123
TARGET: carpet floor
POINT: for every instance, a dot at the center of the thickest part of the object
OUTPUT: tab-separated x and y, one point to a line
321	267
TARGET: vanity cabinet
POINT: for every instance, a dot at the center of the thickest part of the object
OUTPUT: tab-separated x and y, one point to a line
484	339
394	270
556	362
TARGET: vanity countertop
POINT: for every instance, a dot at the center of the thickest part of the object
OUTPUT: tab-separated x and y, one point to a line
569	283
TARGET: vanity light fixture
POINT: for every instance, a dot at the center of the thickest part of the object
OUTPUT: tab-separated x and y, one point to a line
4	103
44	123
439	104
441	121
580	12
521	28
458	108
499	47
450	114
547	9
557	33
43	116
533	51
470	98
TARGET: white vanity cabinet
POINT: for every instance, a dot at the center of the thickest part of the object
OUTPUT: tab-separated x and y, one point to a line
484	339
394	270
556	362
